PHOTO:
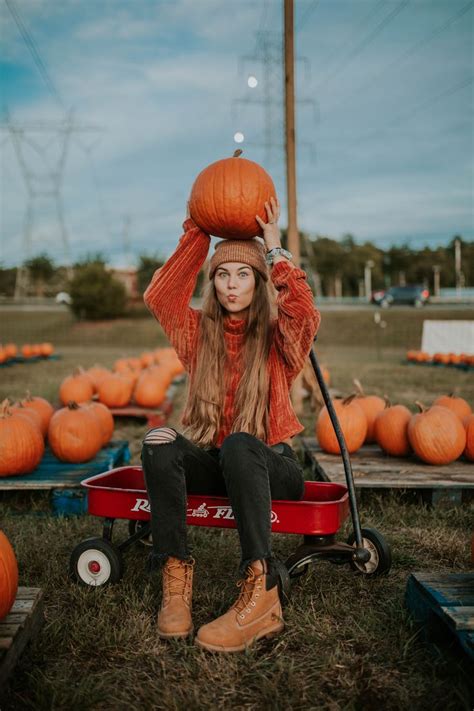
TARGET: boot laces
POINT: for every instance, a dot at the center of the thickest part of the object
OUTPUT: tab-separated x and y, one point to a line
247	587
176	583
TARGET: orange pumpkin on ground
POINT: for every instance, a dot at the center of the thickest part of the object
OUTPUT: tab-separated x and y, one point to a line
115	390
11	350
372	405
76	388
3	355
391	430
26	350
105	418
46	349
75	434
96	373
353	424
456	404
227	195
151	387
32	415
8	576
436	435
469	427
21	443
44	409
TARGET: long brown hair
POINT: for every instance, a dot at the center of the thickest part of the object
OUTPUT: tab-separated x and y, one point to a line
205	404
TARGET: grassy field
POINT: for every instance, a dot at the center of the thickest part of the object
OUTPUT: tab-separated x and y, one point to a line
349	642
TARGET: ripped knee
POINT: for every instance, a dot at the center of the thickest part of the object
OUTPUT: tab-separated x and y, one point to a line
160	435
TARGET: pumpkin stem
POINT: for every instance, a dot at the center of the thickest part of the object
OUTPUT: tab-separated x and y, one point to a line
420	405
5	408
360	389
387	402
28	397
72	405
237	153
347	400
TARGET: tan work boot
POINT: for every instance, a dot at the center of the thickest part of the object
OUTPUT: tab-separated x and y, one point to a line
174	617
256	614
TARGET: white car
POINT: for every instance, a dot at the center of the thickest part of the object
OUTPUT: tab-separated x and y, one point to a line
63	298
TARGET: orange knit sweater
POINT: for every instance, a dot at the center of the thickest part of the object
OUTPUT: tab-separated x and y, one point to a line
168	297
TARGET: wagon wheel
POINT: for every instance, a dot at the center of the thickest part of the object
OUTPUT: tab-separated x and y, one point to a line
380	560
134	526
96	562
284	582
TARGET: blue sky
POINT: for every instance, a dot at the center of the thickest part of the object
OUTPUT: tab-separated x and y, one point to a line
384	125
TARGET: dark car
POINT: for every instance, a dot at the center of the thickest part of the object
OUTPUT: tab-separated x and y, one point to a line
413	295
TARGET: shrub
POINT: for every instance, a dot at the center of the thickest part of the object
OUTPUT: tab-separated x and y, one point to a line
96	294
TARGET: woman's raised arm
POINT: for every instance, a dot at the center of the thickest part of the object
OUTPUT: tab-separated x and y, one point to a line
170	291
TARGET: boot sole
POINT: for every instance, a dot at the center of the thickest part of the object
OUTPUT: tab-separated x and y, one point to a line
267	633
175	635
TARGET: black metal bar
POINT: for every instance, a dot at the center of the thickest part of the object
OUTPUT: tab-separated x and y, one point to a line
342	444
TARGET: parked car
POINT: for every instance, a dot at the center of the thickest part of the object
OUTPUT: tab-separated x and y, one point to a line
377	296
413	295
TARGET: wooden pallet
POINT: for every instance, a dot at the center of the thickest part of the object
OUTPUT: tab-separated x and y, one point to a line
372	469
18	627
64	479
444	604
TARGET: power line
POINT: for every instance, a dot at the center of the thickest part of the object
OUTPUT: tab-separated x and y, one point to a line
408	53
365	42
304	18
33	50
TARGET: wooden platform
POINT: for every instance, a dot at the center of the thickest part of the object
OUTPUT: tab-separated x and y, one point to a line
18	627
444	604
372	469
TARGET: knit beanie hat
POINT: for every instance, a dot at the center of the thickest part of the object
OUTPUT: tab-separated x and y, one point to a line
247	251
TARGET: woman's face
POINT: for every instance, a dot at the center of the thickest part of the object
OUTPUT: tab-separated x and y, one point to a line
235	286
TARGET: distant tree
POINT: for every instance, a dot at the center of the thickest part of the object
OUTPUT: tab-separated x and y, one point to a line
95	293
7	281
328	260
41	270
91	258
147	265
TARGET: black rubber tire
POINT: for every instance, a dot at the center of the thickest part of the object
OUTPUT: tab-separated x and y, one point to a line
284	582
381	554
105	553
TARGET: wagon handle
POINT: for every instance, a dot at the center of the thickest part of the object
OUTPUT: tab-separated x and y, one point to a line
361	554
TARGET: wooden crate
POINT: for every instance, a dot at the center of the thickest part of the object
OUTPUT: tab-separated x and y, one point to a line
18	627
444	604
155	417
373	469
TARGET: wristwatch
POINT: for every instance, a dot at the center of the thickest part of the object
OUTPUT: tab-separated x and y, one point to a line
275	252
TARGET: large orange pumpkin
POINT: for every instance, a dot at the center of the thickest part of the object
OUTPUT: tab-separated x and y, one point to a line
105	418
74	434
353	424
44	409
77	387
8	576
115	390
457	404
391	430
21	443
228	194
436	435
469	426
372	405
151	387
32	415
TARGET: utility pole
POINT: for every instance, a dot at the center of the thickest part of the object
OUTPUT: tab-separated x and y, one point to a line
436	279
457	265
290	132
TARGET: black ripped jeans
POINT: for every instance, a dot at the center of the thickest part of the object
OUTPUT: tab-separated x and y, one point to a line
245	469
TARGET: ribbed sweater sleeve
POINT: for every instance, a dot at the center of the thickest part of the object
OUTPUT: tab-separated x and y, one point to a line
298	318
170	291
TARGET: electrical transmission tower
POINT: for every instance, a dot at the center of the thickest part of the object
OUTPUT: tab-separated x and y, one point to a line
43	180
269	56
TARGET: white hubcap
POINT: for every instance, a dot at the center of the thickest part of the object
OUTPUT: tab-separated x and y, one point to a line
93	567
373	562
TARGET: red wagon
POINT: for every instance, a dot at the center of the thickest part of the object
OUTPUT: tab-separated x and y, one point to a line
121	494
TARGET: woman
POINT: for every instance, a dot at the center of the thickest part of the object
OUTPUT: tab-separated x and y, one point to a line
241	361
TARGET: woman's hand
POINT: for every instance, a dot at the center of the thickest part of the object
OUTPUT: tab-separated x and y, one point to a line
271	231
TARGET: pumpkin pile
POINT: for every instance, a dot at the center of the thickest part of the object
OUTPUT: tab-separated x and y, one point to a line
29	350
455	359
437	435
